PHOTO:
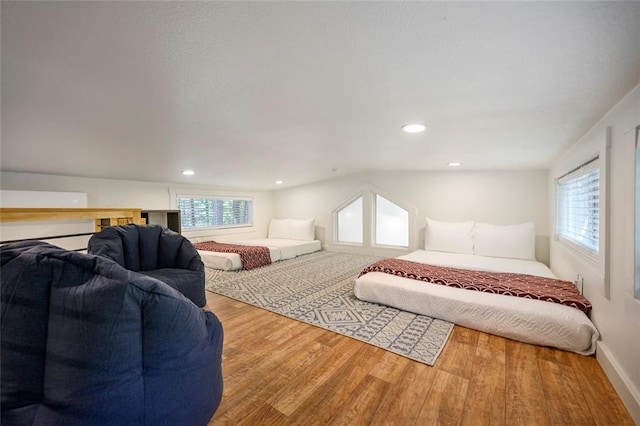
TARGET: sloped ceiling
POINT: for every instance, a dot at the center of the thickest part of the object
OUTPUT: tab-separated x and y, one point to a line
247	93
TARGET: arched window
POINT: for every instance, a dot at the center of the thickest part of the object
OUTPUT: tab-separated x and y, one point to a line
391	223
370	219
349	220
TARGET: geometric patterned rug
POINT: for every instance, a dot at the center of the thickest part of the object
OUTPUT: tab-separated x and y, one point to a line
318	289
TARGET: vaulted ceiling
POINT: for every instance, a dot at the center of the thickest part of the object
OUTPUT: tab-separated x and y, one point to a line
247	93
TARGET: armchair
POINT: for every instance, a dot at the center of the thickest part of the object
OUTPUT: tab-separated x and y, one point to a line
87	342
154	251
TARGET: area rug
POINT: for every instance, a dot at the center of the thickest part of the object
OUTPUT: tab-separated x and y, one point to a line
318	289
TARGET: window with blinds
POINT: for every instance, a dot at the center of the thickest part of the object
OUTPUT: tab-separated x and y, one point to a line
578	208
213	212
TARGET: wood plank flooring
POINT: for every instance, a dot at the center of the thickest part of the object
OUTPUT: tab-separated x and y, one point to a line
279	371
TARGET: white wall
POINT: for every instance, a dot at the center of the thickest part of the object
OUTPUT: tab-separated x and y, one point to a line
144	195
499	197
616	314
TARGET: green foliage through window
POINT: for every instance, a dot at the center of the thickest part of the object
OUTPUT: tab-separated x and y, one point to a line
206	212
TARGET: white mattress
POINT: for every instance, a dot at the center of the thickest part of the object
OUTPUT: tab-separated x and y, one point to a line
288	248
526	320
230	261
280	249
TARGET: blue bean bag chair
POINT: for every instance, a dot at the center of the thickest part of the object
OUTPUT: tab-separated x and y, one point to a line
87	342
155	251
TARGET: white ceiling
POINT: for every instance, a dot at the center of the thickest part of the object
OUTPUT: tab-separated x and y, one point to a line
246	93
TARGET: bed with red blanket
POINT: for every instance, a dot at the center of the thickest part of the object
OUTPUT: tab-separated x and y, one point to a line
250	256
231	256
286	239
514	298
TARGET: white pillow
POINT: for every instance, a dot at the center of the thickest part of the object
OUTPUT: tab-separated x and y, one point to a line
454	237
279	228
514	241
303	229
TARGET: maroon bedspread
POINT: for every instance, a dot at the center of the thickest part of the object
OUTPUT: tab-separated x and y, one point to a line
251	256
520	285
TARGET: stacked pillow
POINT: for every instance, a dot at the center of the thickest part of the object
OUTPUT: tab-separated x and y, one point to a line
483	239
292	229
452	237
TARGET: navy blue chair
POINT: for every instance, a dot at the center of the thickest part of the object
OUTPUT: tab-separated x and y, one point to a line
154	251
86	342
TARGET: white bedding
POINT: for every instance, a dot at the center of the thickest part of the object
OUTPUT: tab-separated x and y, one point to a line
526	320
288	248
279	249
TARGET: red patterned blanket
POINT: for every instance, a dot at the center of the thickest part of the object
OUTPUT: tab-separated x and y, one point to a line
520	285
251	256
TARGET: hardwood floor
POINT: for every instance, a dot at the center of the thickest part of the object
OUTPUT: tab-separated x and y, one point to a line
278	371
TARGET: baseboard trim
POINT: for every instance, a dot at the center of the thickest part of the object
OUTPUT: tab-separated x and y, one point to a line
629	395
373	251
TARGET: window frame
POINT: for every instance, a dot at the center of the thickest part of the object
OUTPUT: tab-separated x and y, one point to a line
368	193
222	198
584	251
636	271
336	221
374	225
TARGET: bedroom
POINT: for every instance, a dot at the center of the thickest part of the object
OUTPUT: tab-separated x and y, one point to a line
76	121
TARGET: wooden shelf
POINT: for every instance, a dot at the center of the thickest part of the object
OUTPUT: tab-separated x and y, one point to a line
102	217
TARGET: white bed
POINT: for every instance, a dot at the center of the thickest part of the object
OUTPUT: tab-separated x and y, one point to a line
526	320
287	238
279	249
230	261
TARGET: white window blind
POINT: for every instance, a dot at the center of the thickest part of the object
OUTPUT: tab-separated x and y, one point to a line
578	208
213	212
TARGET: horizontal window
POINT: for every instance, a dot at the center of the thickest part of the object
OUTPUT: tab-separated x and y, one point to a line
213	212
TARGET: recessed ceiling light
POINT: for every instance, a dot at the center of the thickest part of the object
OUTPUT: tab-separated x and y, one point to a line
188	172
454	164
279	182
414	128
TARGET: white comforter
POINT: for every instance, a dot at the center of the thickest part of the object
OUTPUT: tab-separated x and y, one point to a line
526	320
